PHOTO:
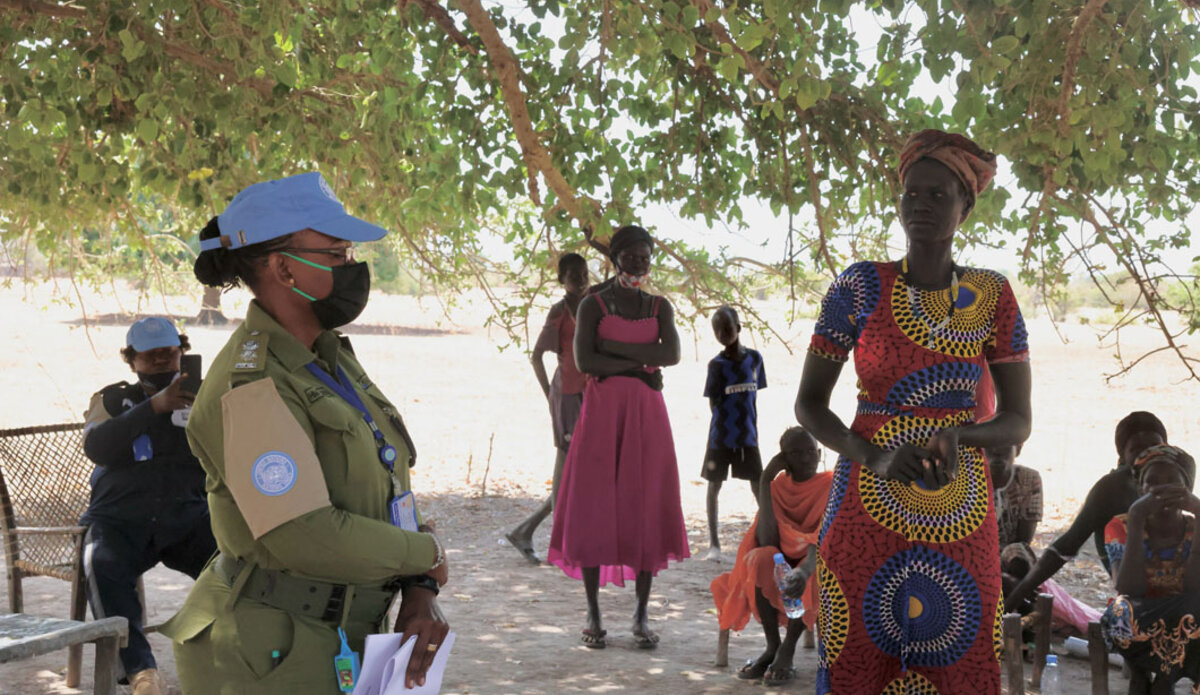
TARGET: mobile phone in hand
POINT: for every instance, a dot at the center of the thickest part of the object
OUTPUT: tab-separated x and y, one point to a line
189	365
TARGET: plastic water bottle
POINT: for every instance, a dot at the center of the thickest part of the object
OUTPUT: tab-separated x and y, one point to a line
1050	676
794	607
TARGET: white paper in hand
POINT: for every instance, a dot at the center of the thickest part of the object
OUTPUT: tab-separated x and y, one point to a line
433	677
377	654
385	664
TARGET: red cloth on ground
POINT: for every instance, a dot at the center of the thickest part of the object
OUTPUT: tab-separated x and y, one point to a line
798	508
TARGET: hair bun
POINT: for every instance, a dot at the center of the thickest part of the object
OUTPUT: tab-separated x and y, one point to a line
211	268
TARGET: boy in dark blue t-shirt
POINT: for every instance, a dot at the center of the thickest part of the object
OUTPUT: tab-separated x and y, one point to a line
734	377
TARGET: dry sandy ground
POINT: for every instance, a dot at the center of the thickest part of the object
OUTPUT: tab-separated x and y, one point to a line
486	459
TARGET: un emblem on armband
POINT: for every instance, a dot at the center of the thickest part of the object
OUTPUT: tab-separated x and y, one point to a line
274	473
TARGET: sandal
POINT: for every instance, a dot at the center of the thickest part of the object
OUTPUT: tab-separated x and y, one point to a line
778	676
752	670
642	640
523	547
594	639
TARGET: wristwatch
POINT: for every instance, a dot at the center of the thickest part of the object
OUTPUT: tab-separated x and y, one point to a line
422	581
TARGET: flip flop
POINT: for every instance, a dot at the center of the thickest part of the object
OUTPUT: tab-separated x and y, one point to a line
594	639
644	641
752	670
526	549
778	677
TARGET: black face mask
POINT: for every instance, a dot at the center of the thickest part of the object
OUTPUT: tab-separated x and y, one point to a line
156	382
347	299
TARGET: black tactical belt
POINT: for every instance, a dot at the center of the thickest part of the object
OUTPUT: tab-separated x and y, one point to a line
311	598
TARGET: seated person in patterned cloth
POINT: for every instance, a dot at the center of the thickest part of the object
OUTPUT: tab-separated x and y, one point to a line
1153	621
1111	495
1018	491
789	517
148	503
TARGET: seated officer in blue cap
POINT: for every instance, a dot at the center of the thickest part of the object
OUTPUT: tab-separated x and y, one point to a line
148	504
307	465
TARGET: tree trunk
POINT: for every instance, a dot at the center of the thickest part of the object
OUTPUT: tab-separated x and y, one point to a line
210	308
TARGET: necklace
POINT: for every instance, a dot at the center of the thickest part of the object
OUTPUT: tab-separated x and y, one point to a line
913	299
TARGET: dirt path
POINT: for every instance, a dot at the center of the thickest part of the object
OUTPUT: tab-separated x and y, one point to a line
486	458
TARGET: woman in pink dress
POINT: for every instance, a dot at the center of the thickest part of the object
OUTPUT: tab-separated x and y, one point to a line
618	515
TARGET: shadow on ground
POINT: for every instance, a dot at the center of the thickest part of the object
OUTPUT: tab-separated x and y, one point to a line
518	624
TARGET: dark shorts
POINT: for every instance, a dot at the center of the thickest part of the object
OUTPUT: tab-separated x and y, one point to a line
564	412
745	462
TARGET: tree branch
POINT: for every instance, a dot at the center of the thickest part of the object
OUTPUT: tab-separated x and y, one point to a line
1074	51
48	9
815	193
1145	288
442	18
585	211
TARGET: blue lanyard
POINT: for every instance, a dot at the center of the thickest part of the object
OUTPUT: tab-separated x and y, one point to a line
343	387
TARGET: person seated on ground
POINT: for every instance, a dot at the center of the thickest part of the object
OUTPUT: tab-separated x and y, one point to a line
1110	496
735	376
1154	622
564	391
789	518
148	503
1018	493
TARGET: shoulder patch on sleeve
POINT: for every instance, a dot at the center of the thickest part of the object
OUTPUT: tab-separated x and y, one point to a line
251	354
96	412
270	464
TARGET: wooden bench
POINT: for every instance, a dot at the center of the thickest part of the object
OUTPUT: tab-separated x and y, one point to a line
23	636
1014	661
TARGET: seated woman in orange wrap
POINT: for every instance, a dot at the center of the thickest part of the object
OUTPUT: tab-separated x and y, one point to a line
789	517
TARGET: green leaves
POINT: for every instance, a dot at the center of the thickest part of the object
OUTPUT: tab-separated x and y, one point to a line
131	47
164	110
1006	45
147	130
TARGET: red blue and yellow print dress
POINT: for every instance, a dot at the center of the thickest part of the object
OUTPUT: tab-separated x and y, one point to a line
910	578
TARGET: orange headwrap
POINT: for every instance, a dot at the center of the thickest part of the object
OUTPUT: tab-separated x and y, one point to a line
1170	454
972	164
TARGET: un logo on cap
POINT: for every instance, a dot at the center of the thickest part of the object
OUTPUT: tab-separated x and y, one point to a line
326	189
274	473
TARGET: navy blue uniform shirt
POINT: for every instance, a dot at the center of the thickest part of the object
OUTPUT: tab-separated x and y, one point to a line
145	472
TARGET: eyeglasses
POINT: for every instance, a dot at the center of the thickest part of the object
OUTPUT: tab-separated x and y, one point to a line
341	253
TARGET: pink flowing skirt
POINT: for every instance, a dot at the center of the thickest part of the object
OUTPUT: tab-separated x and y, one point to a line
618	503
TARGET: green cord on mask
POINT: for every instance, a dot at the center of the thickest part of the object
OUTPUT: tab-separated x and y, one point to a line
308	262
299	291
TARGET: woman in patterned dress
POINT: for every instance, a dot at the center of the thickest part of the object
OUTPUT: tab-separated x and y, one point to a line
1153	621
909	566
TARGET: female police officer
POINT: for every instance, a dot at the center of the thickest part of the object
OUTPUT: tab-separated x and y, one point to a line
307	463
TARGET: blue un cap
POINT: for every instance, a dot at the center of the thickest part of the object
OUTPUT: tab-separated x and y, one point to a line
272	209
151	333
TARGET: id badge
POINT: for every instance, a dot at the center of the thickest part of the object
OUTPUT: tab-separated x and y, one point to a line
143	450
346	666
404	511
